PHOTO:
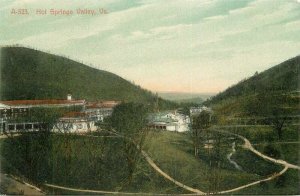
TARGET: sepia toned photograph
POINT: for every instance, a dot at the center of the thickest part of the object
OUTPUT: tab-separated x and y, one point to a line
149	97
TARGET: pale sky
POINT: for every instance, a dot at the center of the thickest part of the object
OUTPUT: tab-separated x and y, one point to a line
163	45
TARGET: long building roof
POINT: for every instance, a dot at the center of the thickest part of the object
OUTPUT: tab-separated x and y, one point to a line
41	102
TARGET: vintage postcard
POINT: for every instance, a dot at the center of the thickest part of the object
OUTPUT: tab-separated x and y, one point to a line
149	97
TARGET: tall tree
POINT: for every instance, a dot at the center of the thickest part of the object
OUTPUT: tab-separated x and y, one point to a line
200	122
271	107
129	119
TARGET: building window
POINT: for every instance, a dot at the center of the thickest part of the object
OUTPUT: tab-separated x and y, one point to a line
11	127
28	126
19	127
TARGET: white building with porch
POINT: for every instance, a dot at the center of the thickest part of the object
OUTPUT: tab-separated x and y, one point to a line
170	121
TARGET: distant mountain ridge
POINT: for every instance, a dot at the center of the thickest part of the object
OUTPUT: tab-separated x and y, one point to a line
32	74
185	97
284	77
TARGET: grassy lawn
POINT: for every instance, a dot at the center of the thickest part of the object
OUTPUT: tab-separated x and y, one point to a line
266	141
79	162
98	163
254	164
173	152
287	184
263	137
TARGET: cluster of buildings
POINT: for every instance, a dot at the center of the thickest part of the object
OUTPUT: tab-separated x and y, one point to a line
170	121
174	120
80	117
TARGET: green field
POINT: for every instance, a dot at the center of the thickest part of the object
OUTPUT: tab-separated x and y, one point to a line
264	140
99	164
287	184
78	162
174	155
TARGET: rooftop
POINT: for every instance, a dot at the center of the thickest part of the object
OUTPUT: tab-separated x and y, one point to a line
41	102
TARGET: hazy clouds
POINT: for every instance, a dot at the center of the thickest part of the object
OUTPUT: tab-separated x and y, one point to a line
199	46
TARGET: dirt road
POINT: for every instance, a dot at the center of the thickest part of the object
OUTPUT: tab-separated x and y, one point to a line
32	191
11	186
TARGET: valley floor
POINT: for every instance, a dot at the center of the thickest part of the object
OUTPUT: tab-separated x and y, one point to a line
173	154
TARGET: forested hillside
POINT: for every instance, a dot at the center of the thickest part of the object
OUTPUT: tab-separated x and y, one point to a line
32	74
280	78
270	93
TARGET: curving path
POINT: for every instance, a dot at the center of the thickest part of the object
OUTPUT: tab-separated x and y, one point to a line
15	185
275	175
97	191
194	191
249	146
165	175
157	169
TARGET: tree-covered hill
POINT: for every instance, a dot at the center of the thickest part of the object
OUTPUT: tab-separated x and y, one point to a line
274	92
31	74
280	78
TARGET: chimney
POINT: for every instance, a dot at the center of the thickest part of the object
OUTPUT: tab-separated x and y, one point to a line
69	97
